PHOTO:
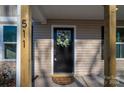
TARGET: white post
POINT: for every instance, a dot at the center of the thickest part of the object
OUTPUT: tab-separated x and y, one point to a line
18	49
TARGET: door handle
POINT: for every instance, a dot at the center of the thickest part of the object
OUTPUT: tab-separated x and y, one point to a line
55	59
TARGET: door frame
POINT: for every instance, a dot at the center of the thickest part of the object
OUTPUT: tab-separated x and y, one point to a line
52	46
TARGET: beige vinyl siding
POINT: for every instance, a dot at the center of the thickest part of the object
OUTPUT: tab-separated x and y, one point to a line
88	50
42	49
41	53
8	10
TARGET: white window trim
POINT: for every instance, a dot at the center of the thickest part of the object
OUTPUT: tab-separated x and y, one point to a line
8	19
52	46
18	49
1	58
2	42
120	43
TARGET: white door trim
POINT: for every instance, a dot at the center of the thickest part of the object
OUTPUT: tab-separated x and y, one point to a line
52	45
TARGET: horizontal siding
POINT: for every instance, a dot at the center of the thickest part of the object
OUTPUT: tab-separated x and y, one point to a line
42	51
88	47
8	10
120	67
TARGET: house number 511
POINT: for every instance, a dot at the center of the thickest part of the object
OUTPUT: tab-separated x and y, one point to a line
24	25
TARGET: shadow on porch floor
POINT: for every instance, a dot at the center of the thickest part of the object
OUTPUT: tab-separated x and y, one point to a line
80	81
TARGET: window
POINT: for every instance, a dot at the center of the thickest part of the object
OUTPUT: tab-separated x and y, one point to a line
8	41
119	42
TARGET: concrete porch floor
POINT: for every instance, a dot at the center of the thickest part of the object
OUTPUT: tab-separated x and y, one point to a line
80	81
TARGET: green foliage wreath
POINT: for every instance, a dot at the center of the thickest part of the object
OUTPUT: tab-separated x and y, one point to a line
63	39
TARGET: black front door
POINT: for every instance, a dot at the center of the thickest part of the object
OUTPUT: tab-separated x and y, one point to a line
63	50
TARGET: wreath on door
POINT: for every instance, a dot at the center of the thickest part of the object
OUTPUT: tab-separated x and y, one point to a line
63	38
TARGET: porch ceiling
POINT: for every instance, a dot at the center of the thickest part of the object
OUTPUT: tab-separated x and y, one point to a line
73	12
90	12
